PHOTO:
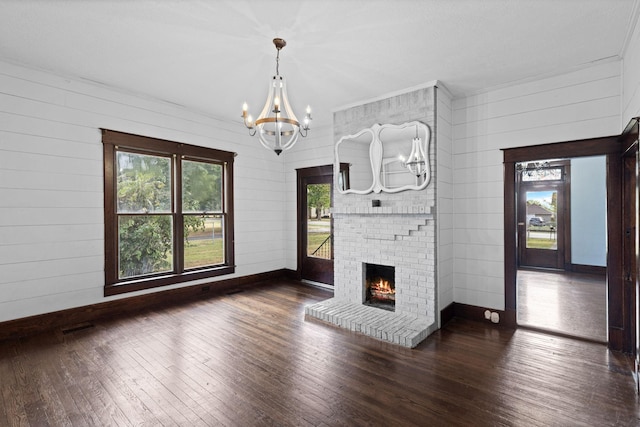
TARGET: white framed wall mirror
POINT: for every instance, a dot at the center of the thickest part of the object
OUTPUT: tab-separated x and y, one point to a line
354	170
384	158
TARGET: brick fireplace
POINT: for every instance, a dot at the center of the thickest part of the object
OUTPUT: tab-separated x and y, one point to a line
402	240
396	230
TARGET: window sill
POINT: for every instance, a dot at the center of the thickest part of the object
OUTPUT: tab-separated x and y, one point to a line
164	280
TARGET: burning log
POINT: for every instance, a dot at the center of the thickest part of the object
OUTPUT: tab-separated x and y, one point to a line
382	290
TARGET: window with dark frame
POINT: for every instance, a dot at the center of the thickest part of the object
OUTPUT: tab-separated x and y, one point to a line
168	212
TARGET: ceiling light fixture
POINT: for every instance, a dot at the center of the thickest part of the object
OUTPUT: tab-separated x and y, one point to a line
277	126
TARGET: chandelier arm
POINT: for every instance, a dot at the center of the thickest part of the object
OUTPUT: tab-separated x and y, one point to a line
247	123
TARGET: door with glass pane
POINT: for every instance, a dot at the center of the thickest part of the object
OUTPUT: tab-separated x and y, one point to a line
315	224
542	209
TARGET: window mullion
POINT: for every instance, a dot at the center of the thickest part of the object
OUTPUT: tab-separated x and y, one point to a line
178	217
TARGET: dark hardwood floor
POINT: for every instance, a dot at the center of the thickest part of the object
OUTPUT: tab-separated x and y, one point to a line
250	358
574	304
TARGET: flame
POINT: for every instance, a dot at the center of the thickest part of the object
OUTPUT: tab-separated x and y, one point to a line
383	287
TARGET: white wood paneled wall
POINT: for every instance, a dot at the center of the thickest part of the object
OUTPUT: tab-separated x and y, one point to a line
51	190
581	104
631	75
51	221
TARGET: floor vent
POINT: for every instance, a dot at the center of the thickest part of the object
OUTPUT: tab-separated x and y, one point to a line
234	291
77	328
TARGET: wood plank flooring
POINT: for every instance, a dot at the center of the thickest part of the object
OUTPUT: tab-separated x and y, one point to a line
574	304
251	359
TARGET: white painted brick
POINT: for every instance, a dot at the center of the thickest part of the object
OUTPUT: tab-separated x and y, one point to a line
400	233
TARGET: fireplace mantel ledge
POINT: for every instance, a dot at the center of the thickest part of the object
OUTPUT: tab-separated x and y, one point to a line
384	210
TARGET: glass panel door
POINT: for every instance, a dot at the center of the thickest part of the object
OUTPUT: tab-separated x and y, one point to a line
541	215
318	225
315	226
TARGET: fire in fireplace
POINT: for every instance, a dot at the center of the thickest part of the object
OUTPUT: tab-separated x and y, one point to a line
380	289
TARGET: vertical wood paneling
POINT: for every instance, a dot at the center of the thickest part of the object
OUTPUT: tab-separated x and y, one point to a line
581	104
51	185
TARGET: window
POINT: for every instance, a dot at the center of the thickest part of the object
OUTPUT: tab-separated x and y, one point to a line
168	212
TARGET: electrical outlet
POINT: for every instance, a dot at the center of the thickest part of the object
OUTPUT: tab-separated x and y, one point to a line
495	317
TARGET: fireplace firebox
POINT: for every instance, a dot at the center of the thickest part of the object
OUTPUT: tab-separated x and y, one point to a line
380	289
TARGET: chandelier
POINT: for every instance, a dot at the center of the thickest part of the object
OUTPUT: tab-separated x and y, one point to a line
277	126
417	161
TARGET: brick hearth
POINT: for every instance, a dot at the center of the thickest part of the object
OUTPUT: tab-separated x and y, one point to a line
403	329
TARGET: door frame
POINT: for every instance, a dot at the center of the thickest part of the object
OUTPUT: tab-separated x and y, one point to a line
618	316
301	211
631	222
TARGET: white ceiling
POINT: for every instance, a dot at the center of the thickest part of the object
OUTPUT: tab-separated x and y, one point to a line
211	55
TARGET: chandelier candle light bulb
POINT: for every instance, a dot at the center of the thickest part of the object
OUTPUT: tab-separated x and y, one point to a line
277	126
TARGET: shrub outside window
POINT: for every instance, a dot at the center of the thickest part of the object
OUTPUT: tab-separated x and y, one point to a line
168	212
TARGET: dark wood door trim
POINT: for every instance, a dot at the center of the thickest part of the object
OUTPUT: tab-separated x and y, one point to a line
510	242
559	150
630	233
612	148
631	136
617	314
